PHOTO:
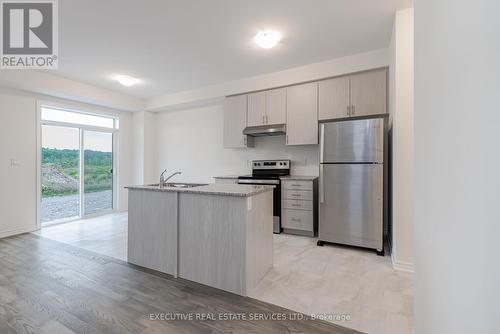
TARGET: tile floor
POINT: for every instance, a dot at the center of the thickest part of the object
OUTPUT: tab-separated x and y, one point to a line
104	235
327	281
337	280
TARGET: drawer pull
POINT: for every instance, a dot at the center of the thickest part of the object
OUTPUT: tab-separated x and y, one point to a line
296	205
296	220
296	185
296	195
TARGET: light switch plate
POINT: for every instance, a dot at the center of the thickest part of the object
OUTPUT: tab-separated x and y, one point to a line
15	163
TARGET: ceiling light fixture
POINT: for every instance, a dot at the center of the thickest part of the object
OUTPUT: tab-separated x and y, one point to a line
126	80
267	39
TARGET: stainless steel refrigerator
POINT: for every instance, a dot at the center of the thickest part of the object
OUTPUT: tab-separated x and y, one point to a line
351	183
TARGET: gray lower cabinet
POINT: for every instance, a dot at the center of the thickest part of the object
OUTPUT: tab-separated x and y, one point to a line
219	240
299	209
152	230
298	220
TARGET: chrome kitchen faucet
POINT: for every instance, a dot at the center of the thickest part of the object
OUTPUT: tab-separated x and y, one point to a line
164	180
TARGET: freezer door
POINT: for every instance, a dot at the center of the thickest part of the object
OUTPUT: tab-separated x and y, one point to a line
352	141
351	204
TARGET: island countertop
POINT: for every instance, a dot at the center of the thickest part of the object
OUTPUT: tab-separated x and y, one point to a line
241	190
220	235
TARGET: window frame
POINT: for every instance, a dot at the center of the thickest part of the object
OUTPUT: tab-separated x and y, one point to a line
82	127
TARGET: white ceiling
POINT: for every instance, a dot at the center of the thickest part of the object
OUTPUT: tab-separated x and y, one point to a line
179	45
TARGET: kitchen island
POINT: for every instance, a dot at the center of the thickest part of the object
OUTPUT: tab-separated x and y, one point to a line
219	235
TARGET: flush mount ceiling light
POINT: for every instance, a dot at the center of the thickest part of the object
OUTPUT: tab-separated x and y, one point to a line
126	80
267	39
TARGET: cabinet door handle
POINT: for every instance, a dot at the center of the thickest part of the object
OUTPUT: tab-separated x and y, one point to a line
267	119
287	139
348	111
353	110
244	140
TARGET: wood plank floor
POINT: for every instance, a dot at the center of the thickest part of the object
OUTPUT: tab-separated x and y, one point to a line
50	287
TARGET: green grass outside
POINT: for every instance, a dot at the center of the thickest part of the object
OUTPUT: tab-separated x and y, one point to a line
64	164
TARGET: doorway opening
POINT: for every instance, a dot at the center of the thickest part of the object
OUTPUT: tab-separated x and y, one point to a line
78	175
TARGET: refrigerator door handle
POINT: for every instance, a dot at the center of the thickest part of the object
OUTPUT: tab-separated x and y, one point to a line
321	185
321	142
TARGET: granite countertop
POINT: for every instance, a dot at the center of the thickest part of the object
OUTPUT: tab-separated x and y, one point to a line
213	189
226	177
299	177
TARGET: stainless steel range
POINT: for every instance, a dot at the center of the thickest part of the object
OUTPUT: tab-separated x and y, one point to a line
269	172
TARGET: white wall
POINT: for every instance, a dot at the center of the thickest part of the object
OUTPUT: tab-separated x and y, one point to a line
125	159
401	110
138	147
150	148
18	182
18	141
191	141
333	67
189	136
145	164
49	84
457	166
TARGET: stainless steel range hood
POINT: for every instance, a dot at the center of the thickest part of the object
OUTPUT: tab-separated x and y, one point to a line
265	130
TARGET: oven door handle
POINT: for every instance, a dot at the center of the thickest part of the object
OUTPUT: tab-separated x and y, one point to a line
258	181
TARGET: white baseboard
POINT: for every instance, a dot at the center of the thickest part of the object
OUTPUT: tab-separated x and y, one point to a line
9	233
401	265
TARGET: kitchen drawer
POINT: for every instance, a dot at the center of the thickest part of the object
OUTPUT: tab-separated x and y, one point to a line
297	220
297	185
306	195
297	204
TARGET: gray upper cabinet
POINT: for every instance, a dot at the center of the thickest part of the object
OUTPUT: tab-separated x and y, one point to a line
369	93
355	95
302	114
301	106
256	109
267	107
276	106
235	120
333	98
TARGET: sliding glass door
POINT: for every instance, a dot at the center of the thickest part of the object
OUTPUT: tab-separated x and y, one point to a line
98	172
60	173
76	165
